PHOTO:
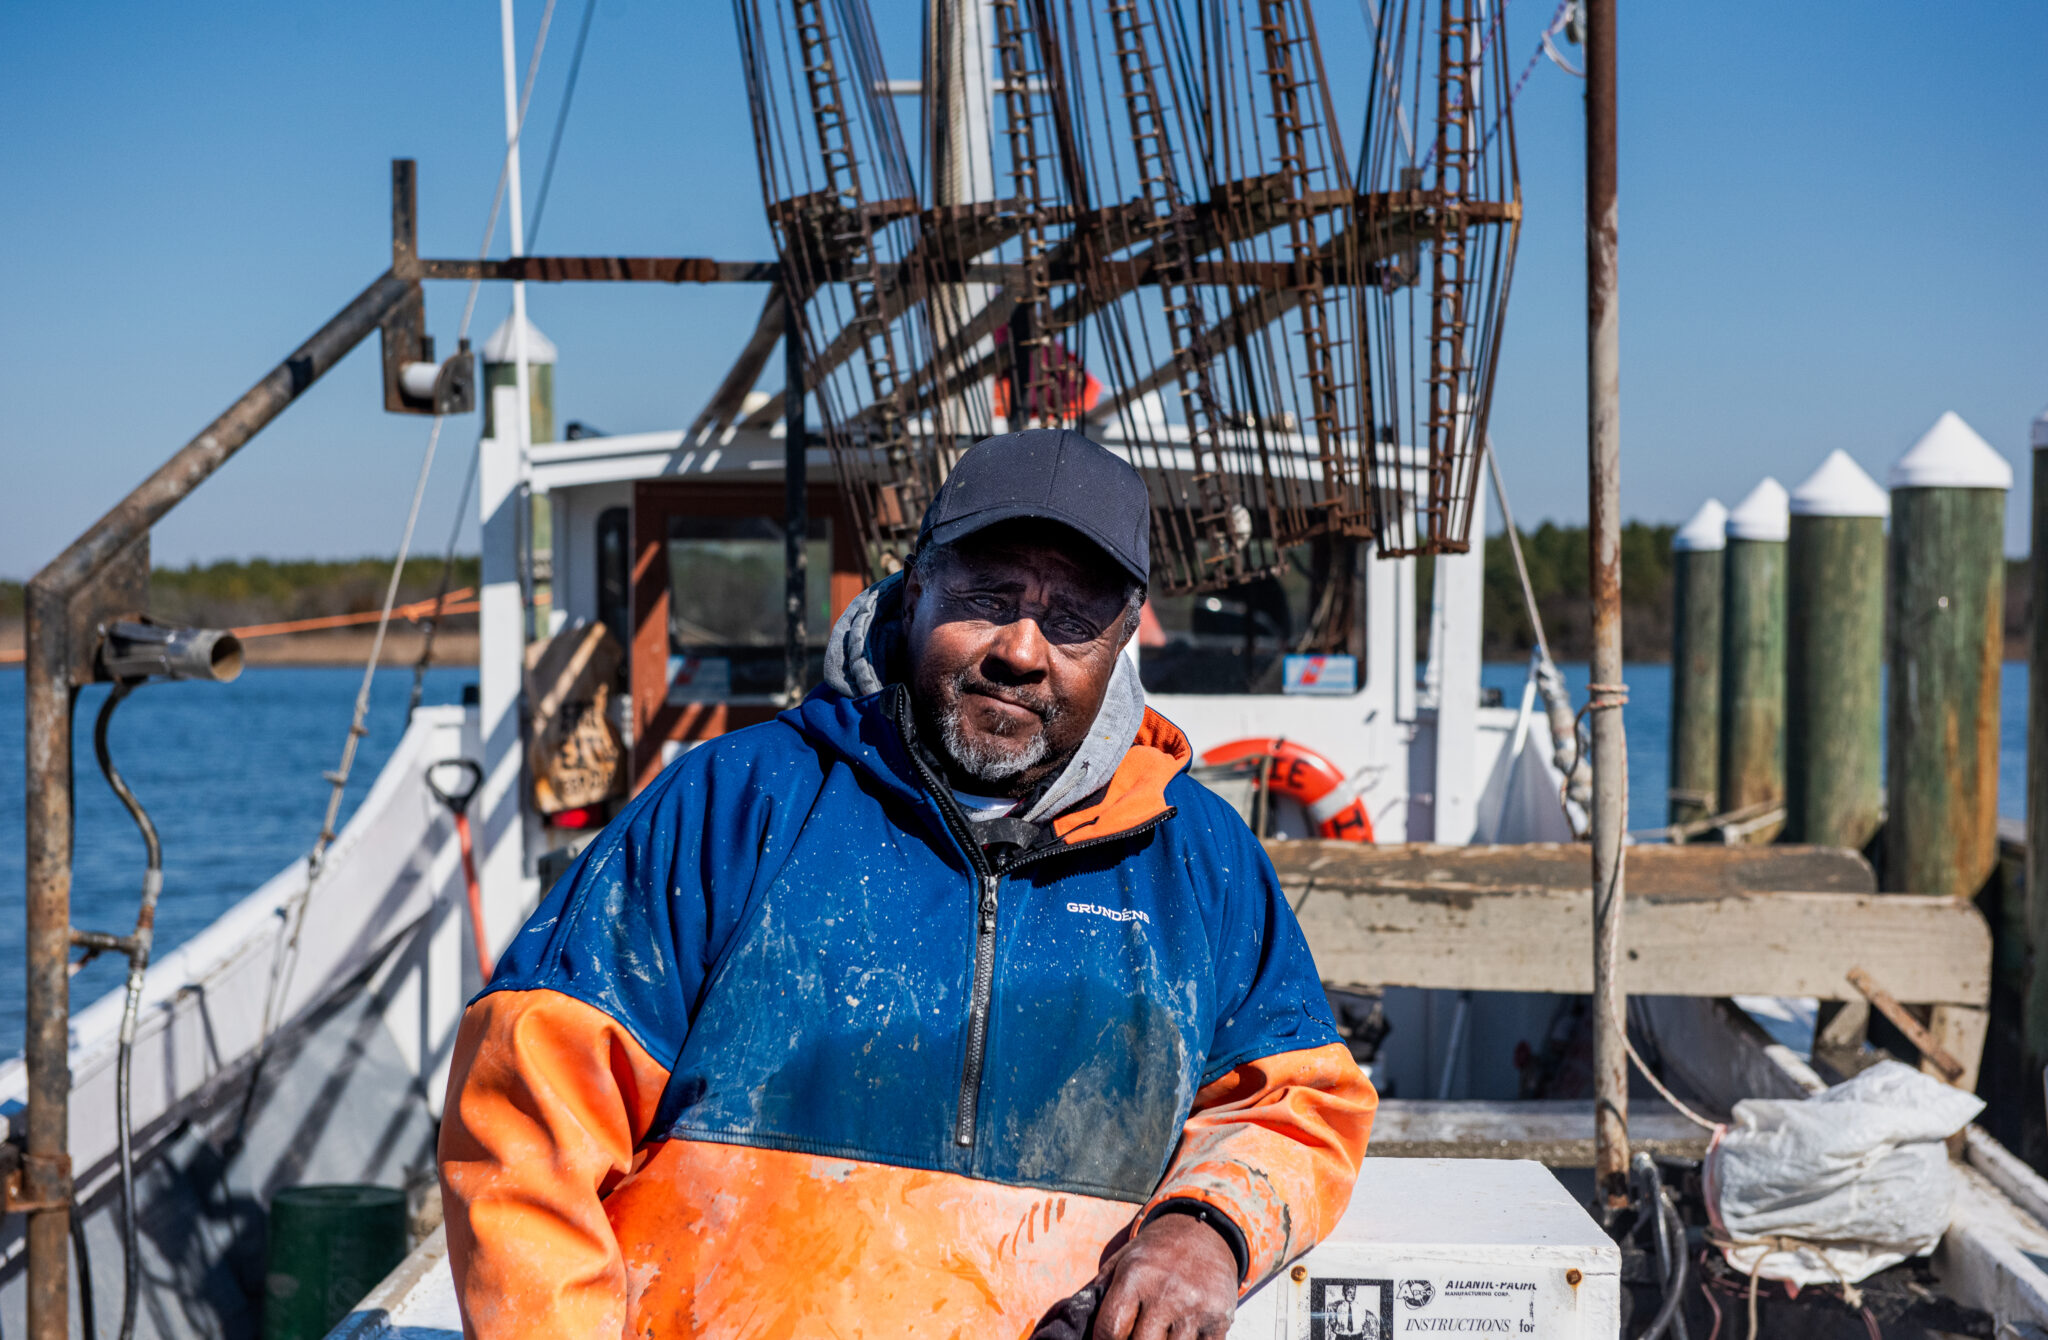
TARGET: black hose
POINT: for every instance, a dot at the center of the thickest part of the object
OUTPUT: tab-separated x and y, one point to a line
82	1258
1670	1250
137	950
1680	1266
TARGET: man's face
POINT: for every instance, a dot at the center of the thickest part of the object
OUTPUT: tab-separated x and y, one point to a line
1012	641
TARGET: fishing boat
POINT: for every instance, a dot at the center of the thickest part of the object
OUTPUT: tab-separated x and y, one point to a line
1147	227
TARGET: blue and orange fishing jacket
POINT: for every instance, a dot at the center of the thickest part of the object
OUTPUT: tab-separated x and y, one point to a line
789	1053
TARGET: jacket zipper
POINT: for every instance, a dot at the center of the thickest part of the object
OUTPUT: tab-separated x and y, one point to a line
979	1001
984	940
982	997
977	1013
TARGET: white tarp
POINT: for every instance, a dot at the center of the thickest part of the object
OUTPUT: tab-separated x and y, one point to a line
1833	1188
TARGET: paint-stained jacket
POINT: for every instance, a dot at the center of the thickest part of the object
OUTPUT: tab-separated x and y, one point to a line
783	1056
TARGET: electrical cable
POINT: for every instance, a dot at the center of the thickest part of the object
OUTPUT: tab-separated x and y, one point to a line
137	948
81	1257
1670	1239
419	667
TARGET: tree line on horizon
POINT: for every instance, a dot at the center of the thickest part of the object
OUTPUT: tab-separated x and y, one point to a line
238	592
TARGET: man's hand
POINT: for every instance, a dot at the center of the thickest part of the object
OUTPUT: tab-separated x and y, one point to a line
1177	1277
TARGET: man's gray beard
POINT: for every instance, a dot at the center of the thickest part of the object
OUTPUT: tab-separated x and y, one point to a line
980	760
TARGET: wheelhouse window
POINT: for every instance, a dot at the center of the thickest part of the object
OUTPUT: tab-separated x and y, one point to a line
726	623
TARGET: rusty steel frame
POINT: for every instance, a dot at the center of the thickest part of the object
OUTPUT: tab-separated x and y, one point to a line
104	574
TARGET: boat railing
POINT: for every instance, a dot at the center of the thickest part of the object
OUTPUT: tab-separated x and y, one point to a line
103	576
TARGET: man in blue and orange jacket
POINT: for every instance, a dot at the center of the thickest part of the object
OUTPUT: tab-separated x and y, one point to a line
944	1004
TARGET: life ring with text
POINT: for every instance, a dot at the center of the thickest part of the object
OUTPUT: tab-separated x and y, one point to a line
1330	799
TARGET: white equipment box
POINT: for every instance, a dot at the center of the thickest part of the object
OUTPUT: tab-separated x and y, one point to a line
1464	1247
1455	1247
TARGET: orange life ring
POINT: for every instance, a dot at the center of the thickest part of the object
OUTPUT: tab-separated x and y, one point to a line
1303	775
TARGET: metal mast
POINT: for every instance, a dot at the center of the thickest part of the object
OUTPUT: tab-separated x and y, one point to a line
1606	693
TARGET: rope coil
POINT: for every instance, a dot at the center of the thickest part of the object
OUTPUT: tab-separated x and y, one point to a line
1603	696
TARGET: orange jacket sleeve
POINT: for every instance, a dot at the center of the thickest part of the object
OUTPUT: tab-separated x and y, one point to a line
548	1099
1275	1145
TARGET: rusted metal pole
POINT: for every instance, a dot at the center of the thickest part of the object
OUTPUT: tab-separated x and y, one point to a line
796	501
1606	692
60	617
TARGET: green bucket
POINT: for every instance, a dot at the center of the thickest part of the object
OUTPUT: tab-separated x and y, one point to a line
329	1246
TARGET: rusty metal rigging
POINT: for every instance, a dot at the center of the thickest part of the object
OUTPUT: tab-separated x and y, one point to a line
1119	197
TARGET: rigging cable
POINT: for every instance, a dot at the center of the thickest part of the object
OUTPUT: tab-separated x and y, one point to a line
433	624
286	958
547	175
1557	698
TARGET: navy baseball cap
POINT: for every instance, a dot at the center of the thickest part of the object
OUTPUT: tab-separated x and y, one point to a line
1054	474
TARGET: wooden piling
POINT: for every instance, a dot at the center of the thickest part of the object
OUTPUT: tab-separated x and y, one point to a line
1834	657
540	370
1947	636
1696	559
1753	654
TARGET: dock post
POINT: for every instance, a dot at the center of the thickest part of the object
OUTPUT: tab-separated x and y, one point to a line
1834	657
1696	558
1947	634
1753	653
1606	694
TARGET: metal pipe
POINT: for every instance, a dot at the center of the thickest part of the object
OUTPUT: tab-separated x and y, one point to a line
1606	692
796	501
49	686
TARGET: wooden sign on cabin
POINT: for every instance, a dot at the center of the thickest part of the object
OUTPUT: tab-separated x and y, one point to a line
578	757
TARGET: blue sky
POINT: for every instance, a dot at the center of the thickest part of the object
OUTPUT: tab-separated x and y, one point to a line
1833	225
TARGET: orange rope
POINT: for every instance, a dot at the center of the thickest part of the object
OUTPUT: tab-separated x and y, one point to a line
459	602
413	612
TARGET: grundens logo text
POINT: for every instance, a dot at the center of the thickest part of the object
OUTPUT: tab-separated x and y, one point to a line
1113	913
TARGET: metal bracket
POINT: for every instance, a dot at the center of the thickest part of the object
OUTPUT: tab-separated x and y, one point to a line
411	383
120	590
29	1183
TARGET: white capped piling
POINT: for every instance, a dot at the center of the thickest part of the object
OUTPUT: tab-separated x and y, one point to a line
1947	636
1753	652
1696	558
501	369
1834	656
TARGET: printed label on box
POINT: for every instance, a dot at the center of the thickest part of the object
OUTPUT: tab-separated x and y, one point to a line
1479	1302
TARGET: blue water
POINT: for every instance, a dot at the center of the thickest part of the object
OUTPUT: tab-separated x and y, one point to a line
232	775
1648	722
